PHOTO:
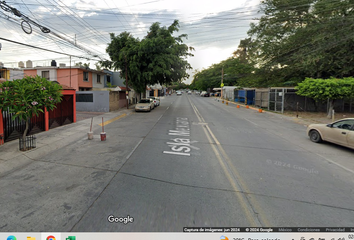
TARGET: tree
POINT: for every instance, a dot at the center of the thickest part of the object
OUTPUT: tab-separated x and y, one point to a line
323	89
165	56
158	58
28	97
123	52
80	64
304	38
235	71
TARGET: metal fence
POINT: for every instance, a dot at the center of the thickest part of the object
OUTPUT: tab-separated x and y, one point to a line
286	99
14	128
261	98
28	143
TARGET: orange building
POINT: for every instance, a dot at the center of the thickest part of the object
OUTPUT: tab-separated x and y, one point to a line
78	77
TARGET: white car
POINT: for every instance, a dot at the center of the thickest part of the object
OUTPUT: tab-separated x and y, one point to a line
203	93
179	93
156	101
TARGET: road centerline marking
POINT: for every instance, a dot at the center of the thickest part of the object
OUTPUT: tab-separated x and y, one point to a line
251	209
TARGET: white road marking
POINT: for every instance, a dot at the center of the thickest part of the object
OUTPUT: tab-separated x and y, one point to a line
176	153
134	149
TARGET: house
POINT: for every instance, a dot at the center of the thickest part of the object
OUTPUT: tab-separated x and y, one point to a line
157	90
108	78
78	77
102	101
10	73
64	113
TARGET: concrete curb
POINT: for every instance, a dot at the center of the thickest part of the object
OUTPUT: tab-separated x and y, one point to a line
302	121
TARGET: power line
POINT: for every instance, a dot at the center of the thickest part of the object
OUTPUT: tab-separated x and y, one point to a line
55	41
27	45
26	21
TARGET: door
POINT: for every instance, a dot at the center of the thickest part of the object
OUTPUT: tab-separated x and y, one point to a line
340	132
350	138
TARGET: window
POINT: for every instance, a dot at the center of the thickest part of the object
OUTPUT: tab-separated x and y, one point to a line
108	79
84	97
98	78
86	79
45	74
345	124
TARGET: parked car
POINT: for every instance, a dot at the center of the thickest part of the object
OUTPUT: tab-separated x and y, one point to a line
156	101
340	132
179	93
204	94
145	104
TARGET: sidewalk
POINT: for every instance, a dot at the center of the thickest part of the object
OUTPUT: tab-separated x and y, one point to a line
58	137
303	118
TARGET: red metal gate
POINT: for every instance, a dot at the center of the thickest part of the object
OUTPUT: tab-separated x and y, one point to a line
63	114
13	129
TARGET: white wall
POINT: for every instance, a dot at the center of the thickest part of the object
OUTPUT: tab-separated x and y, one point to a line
94	81
52	73
16	74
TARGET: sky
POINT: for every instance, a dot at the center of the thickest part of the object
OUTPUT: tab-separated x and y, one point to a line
81	28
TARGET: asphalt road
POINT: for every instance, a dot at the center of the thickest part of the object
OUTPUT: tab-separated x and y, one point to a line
191	162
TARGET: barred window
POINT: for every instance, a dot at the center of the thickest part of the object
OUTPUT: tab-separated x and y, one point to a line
84	97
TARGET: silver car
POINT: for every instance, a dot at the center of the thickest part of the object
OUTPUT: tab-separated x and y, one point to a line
145	105
340	132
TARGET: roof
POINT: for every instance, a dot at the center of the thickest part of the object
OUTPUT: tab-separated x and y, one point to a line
121	88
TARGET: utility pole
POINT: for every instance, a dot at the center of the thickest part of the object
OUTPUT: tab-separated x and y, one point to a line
222	81
70	70
126	81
